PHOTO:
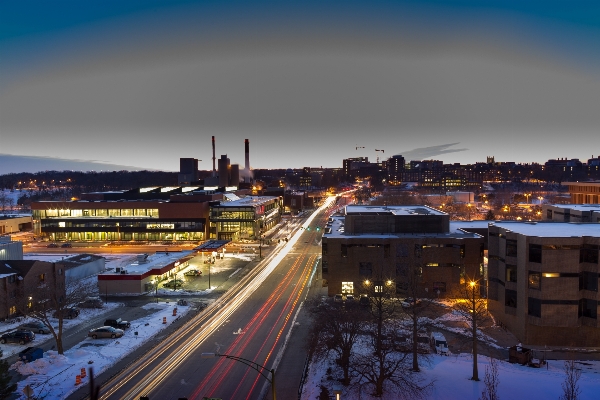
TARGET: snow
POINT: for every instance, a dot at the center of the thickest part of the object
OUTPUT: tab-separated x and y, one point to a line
53	377
451	380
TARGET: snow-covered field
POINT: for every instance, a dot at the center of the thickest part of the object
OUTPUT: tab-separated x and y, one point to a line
53	377
451	380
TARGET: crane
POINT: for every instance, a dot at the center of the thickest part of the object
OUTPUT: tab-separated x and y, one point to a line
382	151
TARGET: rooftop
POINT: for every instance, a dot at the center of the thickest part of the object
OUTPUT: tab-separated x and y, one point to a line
552	229
335	229
248	201
154	261
578	207
393	210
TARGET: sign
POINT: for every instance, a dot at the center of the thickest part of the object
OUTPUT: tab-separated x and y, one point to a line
28	391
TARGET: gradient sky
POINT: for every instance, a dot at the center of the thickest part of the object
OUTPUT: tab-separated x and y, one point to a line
142	83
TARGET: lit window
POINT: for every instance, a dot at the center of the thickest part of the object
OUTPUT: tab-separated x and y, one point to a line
348	287
551	275
378	289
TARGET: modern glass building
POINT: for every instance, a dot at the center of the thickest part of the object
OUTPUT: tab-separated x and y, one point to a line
244	218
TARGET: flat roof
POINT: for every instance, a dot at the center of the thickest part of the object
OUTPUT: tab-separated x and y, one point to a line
248	201
211	245
552	229
393	210
589	183
578	207
154	261
335	229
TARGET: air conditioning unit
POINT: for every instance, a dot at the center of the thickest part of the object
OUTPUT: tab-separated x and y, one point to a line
118	269
123	271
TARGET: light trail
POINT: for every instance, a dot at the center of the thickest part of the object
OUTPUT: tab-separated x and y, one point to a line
228	304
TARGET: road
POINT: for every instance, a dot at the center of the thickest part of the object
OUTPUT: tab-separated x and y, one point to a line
250	321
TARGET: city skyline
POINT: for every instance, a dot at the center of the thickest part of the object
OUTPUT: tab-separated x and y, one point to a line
144	84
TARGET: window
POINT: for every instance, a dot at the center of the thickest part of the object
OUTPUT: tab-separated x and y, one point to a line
324	266
588	281
378	288
511	273
551	275
324	248
344	250
12	310
365	269
386	251
418	250
401	250
589	254
535	253
549	214
401	269
588	308
348	287
42	277
535	279
511	248
534	307
510	298
439	287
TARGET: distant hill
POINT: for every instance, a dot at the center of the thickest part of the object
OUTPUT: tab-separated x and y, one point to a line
10	163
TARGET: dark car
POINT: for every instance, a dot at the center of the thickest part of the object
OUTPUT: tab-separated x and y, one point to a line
66	245
20	337
105	332
364	300
34	326
91	302
52	245
174	283
117	323
193	272
68	313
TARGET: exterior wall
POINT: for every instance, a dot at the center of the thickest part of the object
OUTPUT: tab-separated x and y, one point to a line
560	321
10	225
584	192
133	284
401	253
11	250
389	223
85	270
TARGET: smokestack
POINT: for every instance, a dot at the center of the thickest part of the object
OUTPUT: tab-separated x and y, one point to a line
214	171
247	152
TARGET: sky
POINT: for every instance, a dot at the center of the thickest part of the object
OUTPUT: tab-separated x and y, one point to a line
143	83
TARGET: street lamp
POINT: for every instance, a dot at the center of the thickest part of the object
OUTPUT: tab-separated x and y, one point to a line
255	366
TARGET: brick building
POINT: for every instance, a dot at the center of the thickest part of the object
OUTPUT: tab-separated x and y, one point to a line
370	242
543	281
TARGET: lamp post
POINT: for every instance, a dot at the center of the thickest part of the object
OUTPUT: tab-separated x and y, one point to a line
473	285
255	366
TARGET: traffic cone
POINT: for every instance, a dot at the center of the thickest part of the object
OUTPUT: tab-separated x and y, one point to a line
78	380
175	311
164	320
83	373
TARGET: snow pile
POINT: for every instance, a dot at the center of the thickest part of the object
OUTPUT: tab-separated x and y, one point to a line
54	375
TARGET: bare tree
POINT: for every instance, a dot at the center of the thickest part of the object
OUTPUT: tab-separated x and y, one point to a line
469	302
414	305
570	386
491	381
382	365
336	328
43	299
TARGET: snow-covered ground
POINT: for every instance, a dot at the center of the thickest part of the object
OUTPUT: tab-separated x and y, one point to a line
451	380
53	377
85	314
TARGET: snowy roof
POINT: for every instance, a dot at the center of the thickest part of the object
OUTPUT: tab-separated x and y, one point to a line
79	259
552	229
248	201
335	229
578	207
154	261
393	210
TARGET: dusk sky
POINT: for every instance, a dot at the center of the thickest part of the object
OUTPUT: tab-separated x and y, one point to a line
143	83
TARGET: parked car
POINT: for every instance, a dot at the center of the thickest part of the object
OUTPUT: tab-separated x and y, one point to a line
192	272
364	300
338	298
52	245
68	313
66	245
34	326
350	298
439	344
174	283
20	337
106	332
91	302
117	323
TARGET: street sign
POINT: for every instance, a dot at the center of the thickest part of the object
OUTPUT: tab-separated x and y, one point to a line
28	391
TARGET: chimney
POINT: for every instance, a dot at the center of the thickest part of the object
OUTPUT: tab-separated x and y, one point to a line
214	171
247	153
